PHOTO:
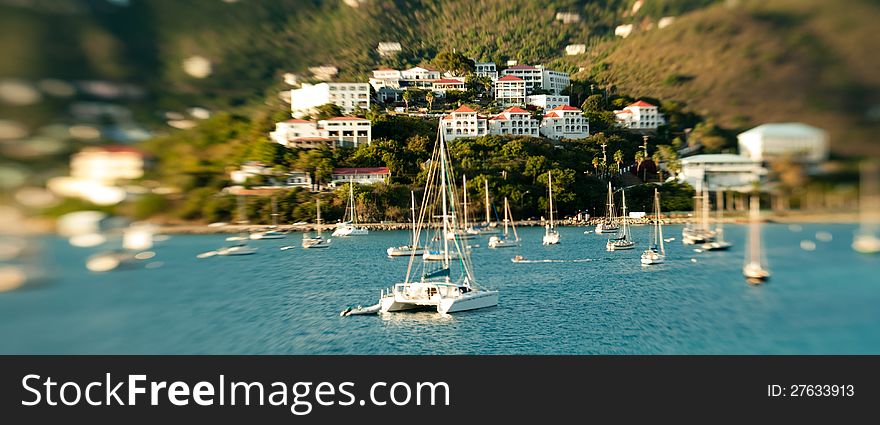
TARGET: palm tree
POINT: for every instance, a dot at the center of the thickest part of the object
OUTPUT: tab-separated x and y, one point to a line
640	158
429	97
407	96
618	159
656	158
596	162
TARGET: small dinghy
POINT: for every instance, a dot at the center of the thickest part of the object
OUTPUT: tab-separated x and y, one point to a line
360	310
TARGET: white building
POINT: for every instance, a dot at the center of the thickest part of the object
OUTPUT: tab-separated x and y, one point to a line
463	122
324	73
547	101
554	81
389	48
722	171
565	122
514	121
297	178
333	132
420	73
575	49
348	96
443	85
798	141
486	69
623	30
533	76
640	115
97	174
510	90
368	175
247	170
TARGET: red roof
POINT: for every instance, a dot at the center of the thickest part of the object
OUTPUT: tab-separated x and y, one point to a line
447	117
641	103
565	108
448	81
510	78
625	111
362	170
464	108
347	119
516	110
296	121
551	115
522	67
497	118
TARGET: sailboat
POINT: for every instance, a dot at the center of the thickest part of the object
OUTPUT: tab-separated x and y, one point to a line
624	239
242	219
489	228
754	269
349	228
272	233
412	248
697	231
466	231
656	253
867	238
609	223
318	241
551	235
504	240
718	244
432	285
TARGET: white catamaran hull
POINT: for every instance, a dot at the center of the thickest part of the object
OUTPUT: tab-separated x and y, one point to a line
496	242
404	251
652	257
468	301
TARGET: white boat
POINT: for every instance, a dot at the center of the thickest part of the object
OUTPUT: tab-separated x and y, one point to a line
503	240
435	285
867	238
754	269
697	231
412	248
361	310
656	254
270	233
349	228
609	223
718	244
551	235
318	241
623	241
236	250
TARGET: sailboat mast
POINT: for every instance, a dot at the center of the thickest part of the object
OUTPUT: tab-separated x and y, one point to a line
754	232
351	202
550	186
705	212
444	202
412	195
659	226
465	212
318	221
506	216
486	185
623	216
609	204
719	204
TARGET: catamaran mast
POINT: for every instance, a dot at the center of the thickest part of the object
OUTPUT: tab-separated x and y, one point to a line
465	212
444	202
412	194
488	219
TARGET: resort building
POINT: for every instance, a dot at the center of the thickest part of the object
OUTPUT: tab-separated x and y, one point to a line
463	122
420	73
486	69
297	178
547	101
510	90
565	122
369	175
640	115
554	81
348	96
722	171
443	85
797	141
533	76
514	121
333	133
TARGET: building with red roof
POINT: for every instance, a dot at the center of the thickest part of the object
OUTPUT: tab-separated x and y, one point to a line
363	175
641	116
347	131
565	122
514	121
510	90
463	122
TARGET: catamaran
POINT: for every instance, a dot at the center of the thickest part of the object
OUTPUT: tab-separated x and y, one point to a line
609	223
551	235
656	254
272	233
431	285
755	270
697	231
318	241
624	239
719	244
504	241
412	248
349	228
867	238
490	228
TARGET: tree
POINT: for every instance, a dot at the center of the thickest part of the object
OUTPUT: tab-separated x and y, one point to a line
429	97
407	96
618	159
656	158
455	63
640	158
328	110
596	163
594	103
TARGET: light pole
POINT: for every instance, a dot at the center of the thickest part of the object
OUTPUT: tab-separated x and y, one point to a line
645	147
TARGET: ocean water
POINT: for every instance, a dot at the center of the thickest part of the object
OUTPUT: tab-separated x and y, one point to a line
820	301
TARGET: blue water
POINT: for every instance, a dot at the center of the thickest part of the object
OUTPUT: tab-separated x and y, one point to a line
279	302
